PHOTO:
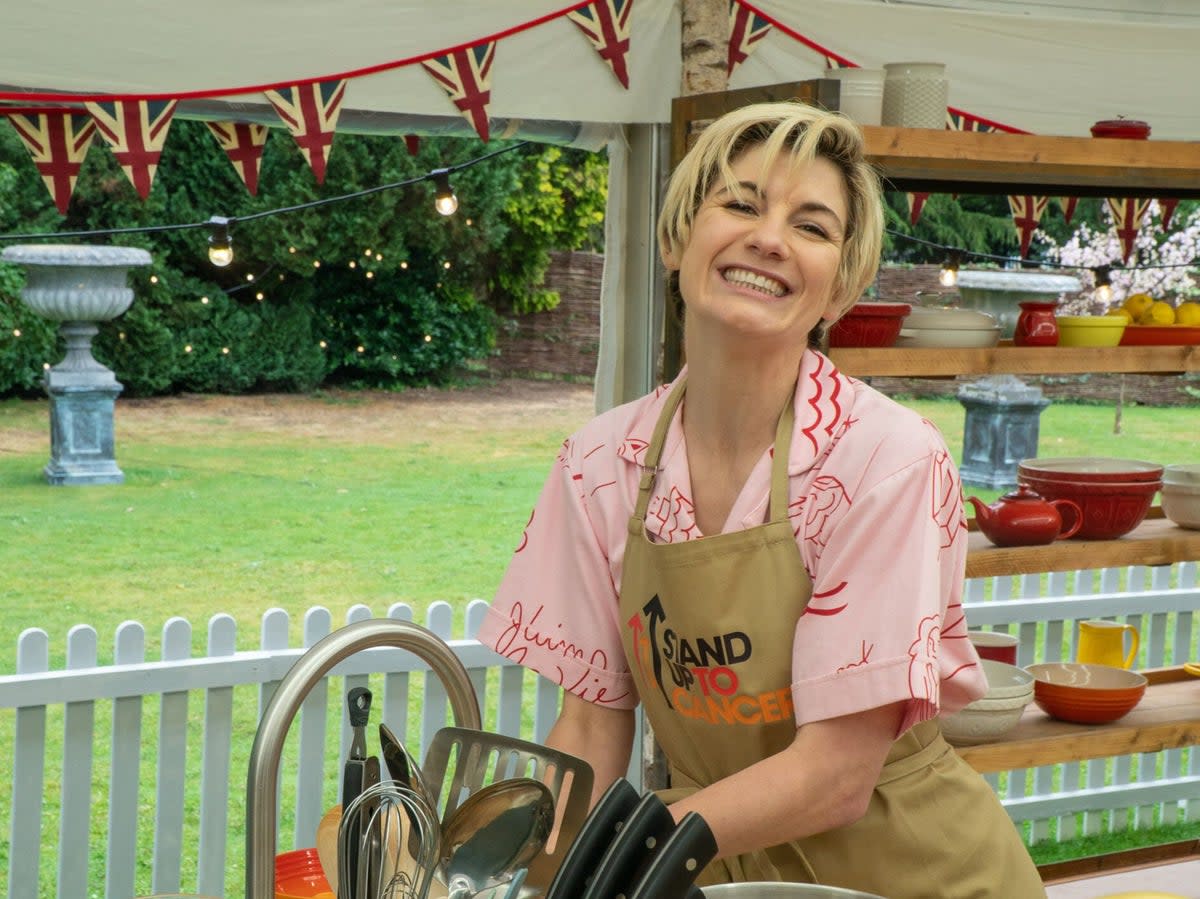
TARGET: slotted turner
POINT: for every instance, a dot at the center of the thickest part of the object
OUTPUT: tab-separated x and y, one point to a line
460	761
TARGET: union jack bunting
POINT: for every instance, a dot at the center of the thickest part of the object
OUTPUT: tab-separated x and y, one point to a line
1026	213
746	29
310	112
606	24
1127	213
1068	205
243	143
957	120
466	77
58	141
136	131
916	202
1166	209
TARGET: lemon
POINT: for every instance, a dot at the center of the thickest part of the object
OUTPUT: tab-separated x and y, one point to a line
1188	313
1137	303
1158	313
1121	314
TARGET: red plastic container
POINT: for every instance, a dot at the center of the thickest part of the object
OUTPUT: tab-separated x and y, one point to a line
869	324
1129	129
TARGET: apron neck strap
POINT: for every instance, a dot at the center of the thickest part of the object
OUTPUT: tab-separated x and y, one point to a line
779	466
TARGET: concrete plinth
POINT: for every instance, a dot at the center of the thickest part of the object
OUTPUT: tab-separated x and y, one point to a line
1001	429
82	449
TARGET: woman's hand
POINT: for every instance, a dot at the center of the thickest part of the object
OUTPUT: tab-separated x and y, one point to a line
822	781
601	736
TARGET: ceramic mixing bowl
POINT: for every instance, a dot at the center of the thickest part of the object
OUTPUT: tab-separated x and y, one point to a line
1085	693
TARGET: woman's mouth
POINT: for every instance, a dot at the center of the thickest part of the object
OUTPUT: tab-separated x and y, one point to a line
755	281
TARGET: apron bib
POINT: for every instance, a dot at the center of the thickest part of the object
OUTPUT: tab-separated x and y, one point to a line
709	632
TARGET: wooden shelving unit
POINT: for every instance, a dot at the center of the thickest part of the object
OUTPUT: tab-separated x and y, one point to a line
920	159
1059	360
1156	541
1168	717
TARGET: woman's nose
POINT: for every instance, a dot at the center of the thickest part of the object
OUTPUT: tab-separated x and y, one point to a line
769	236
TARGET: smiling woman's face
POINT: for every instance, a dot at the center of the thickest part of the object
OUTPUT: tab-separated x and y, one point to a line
762	258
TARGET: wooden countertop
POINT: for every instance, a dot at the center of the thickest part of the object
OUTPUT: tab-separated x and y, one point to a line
1168	717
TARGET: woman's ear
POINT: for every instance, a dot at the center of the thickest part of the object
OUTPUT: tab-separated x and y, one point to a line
670	259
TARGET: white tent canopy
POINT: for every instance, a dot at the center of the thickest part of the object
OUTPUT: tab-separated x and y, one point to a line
1044	66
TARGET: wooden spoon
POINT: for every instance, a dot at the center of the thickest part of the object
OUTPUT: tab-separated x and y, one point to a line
327	841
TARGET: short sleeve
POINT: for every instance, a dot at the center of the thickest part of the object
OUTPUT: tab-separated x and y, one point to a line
556	607
885	623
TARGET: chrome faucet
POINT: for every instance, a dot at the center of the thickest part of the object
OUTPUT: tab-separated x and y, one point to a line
262	782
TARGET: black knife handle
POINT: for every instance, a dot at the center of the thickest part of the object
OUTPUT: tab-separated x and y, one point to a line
599	829
678	862
358	702
648	826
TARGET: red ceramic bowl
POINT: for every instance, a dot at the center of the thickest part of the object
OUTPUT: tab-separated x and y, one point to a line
1085	694
1093	469
298	875
1130	129
869	325
1110	509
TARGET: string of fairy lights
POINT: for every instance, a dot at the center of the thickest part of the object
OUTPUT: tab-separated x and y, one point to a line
220	243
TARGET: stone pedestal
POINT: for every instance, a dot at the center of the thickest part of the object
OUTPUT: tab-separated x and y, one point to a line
1000	430
79	286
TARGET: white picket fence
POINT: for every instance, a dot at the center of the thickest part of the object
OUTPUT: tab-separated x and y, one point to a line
201	738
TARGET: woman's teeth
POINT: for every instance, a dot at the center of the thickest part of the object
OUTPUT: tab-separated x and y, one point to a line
752	279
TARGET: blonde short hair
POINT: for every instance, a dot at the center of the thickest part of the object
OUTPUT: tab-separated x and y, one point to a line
805	132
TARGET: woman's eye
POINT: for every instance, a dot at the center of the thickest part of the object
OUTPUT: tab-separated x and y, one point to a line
812	228
739	206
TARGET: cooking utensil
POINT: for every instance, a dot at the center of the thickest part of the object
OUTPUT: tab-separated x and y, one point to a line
358	708
630	854
679	862
399	873
327	848
495	832
598	831
473	752
781	891
402	767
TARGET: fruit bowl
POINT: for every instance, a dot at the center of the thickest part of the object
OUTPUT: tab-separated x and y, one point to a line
1114	494
1090	330
1085	693
869	324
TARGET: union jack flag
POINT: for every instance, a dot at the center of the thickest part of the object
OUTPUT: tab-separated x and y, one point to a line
606	24
466	77
310	112
1166	208
58	141
746	29
916	202
136	131
243	143
1068	205
1026	213
1127	213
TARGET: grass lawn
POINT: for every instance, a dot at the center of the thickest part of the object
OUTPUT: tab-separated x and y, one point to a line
237	505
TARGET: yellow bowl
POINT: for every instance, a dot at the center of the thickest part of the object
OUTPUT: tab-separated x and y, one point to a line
1090	330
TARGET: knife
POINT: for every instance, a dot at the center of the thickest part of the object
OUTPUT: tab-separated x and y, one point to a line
358	707
678	863
599	829
648	826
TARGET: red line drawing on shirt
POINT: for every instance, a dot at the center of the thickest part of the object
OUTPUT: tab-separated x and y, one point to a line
825	594
946	499
922	654
864	657
600	487
966	667
633	448
814	403
824	500
593	451
673	516
525	533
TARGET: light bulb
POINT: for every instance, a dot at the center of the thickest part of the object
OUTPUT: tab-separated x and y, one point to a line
948	276
220	245
1103	284
444	200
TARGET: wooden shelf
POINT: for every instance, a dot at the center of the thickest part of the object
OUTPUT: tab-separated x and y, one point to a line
972	162
1168	717
1058	360
1156	541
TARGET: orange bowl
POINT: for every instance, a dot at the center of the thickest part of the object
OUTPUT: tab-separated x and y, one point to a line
298	875
1084	693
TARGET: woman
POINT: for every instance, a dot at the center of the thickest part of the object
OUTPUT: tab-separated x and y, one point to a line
769	555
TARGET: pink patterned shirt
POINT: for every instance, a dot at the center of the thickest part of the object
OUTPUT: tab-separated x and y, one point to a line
878	514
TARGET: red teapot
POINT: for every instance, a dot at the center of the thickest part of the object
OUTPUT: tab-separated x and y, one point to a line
1024	518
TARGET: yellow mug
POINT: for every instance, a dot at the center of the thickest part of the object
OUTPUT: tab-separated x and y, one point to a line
1103	643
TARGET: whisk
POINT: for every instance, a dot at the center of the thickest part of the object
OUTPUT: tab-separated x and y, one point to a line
399	842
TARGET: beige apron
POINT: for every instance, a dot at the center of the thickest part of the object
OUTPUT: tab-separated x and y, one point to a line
715	683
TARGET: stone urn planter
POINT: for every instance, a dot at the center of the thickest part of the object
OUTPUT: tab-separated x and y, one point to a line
79	286
1000	293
